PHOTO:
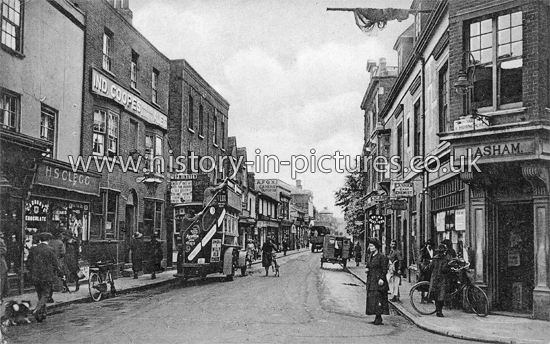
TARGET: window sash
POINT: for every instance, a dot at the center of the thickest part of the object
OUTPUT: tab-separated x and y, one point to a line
11	24
154	86
10	109
133	74
215	136
190	109
107	48
201	119
47	125
495	43
113	134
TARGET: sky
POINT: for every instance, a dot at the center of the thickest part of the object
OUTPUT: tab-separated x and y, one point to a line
293	73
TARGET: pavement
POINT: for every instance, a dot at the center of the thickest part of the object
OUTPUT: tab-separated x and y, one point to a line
459	324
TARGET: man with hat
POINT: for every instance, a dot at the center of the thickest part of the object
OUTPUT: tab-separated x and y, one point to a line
439	282
44	269
136	249
377	286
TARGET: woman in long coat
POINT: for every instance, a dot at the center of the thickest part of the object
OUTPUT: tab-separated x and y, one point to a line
439	282
377	285
72	255
137	249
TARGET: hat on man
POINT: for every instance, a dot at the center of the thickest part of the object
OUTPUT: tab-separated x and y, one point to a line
138	235
44	236
376	243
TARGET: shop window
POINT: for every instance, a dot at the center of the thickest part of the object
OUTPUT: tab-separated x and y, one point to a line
154	86
134	69
12	22
152	217
496	45
107	49
10	110
105	122
96	224
111	211
48	125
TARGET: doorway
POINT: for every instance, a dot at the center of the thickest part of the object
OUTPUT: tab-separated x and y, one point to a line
515	258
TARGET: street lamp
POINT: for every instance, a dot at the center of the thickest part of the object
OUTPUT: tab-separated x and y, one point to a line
464	85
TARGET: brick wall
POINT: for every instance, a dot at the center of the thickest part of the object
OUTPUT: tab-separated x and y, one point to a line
535	53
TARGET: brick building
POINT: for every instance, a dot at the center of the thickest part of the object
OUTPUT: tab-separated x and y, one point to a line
40	126
494	54
124	116
499	51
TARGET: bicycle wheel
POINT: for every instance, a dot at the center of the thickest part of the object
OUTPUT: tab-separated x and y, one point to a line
477	300
419	298
94	283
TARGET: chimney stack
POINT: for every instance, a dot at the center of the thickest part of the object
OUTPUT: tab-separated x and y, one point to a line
123	7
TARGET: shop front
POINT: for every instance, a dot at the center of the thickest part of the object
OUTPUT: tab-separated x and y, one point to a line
507	237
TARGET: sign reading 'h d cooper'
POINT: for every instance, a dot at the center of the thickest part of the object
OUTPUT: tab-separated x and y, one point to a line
105	87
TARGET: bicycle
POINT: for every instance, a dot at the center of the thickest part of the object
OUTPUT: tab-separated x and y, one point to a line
100	277
475	296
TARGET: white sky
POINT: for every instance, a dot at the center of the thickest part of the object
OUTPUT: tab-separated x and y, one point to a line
293	73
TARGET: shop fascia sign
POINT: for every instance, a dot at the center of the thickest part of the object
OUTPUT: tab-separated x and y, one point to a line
495	149
469	123
107	88
49	174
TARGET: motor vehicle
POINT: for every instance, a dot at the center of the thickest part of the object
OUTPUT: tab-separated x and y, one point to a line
335	250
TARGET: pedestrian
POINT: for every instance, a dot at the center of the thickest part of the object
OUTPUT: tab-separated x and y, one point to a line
285	245
439	282
59	248
250	248
395	270
451	253
3	270
43	269
136	249
155	256
426	255
377	285
351	250
72	256
267	254
357	253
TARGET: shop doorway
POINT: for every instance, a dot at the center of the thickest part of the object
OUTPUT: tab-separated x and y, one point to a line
515	258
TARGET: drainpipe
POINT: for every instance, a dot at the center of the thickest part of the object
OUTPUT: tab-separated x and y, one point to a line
425	208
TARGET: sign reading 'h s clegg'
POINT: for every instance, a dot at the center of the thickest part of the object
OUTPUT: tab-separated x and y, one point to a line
105	87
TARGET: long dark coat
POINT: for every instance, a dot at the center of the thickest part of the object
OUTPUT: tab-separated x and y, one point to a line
439	282
378	268
72	255
424	267
267	250
43	264
138	254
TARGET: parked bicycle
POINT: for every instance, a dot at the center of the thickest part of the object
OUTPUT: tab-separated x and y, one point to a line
475	296
100	280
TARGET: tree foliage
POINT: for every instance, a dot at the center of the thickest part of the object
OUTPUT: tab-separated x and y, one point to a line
350	199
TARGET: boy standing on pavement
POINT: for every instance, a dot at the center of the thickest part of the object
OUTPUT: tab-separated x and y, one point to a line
395	270
44	268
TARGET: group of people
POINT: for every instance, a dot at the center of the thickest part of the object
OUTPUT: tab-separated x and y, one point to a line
146	254
52	263
384	275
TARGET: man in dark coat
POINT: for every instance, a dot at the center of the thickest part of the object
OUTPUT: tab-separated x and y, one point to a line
439	282
426	255
358	253
44	269
72	248
267	254
377	285
395	270
155	256
136	248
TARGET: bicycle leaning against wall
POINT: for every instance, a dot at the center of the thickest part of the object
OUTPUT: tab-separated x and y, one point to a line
475	296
